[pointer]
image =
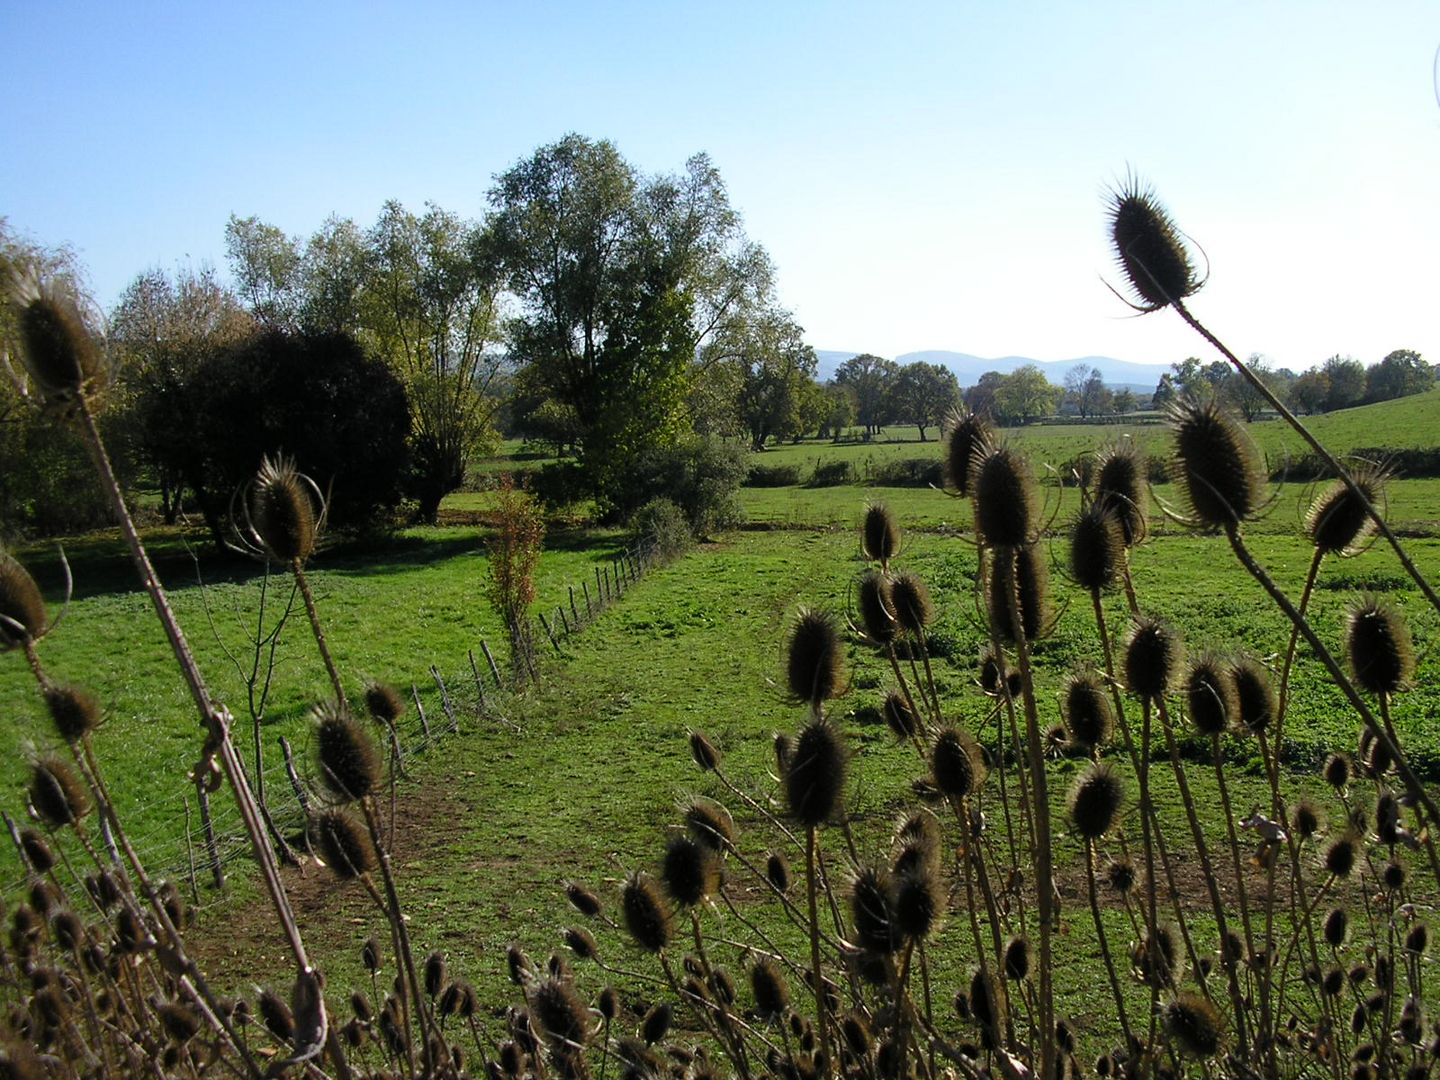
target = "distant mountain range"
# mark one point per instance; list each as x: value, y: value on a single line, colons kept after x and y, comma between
x: 968, y: 369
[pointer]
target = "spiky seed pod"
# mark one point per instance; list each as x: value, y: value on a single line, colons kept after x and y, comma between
x: 1417, y: 938
x: 1387, y: 818
x: 1337, y: 521
x: 449, y: 1000
x: 767, y: 984
x: 56, y: 793
x: 361, y: 1007
x: 955, y: 764
x: 1377, y: 642
x: 384, y: 702
x: 581, y: 942
x: 710, y: 824
x: 1337, y: 925
x: 22, y: 608
x: 877, y: 608
x: 1004, y: 493
x: 1216, y: 465
x: 69, y: 931
x: 1393, y: 876
x: 282, y: 510
x: 1254, y: 695
x: 1152, y: 658
x: 1097, y: 547
x: 434, y: 973
x: 918, y: 901
x: 560, y: 1014
x: 371, y: 956
x: 966, y: 437
x: 1210, y: 696
x: 349, y: 765
x: 1149, y: 247
x: 872, y: 911
x: 902, y: 722
x: 1021, y: 573
x: 344, y: 844
x: 1085, y: 708
x: 180, y: 1024
x: 646, y: 914
x: 690, y: 871
x: 656, y: 1024
x: 880, y: 534
x: 814, y: 659
x: 1194, y: 1025
x: 989, y: 1006
x: 914, y: 609
x: 816, y: 776
x: 1017, y: 959
x: 703, y: 752
x: 777, y: 872
x: 73, y: 711
x: 1095, y: 801
x: 856, y: 1031
x: 991, y: 668
x: 1120, y: 490
x: 918, y: 829
x: 519, y: 966
x: 582, y: 899
x: 1305, y: 819
x: 37, y: 851
x: 276, y: 1015
x: 1336, y: 771
x: 61, y: 352
x: 1120, y: 875
x: 1160, y: 962
x: 1333, y: 982
x: 1341, y: 854
x: 609, y: 1003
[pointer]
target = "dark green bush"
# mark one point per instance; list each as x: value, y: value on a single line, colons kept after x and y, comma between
x: 908, y: 472
x: 771, y: 476
x: 701, y: 475
x: 662, y: 523
x: 832, y: 474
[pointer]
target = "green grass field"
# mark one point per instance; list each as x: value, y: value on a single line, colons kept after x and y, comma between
x: 581, y: 777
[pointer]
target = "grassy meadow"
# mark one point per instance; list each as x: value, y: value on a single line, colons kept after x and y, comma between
x: 581, y: 777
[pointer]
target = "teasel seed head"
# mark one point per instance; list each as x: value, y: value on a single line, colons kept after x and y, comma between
x: 1120, y: 875
x: 918, y: 900
x: 519, y: 966
x: 856, y: 1031
x: 1337, y: 522
x: 814, y: 660
x: 777, y: 872
x: 989, y: 1006
x: 1387, y: 818
x: 434, y: 973
x: 344, y: 844
x: 22, y: 609
x: 281, y: 505
x: 1254, y: 694
x: 276, y: 1015
x: 1195, y: 1025
x: 1017, y: 959
x: 880, y: 534
x: 872, y: 911
x: 877, y: 608
x: 582, y: 899
x: 62, y: 353
x: 37, y: 851
x: 1023, y: 573
x: 966, y: 437
x: 73, y: 711
x: 901, y: 720
x: 1160, y: 962
x: 1149, y: 248
x: 609, y: 1003
x: 561, y: 1015
x: 912, y: 605
x: 1336, y: 926
x: 56, y: 793
x: 1305, y: 819
x: 955, y: 763
x: 1340, y: 855
x: 1337, y: 771
x: 1120, y: 490
x: 647, y: 917
x: 767, y: 984
x: 710, y: 824
x: 690, y: 871
x: 69, y: 931
x: 1003, y: 488
x: 1377, y: 642
x: 991, y: 667
x: 1210, y: 695
x: 1095, y: 801
x: 349, y: 765
x: 656, y: 1024
x: 1097, y: 547
x: 1393, y: 876
x: 815, y: 779
x: 384, y: 702
x: 703, y: 752
x: 1087, y: 712
x: 1417, y: 938
x: 1216, y: 465
x: 1152, y: 658
x: 371, y: 956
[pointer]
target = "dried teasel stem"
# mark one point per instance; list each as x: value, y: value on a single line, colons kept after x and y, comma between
x: 298, y: 569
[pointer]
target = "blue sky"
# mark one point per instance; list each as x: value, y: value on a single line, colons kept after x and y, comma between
x: 927, y: 176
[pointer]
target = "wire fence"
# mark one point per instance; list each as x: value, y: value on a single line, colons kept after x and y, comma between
x: 473, y: 689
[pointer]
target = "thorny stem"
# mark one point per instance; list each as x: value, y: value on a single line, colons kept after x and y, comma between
x: 1333, y: 462
x: 1104, y: 941
x: 300, y: 579
x: 822, y: 1018
x: 1310, y: 577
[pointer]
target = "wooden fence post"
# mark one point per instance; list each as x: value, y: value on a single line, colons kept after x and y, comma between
x: 589, y: 611
x: 445, y: 699
x: 419, y: 711
x: 217, y: 869
x: 479, y: 683
x: 549, y: 633
x: 574, y: 611
x: 494, y: 667
x: 560, y: 610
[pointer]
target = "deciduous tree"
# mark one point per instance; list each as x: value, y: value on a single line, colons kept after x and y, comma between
x: 923, y: 394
